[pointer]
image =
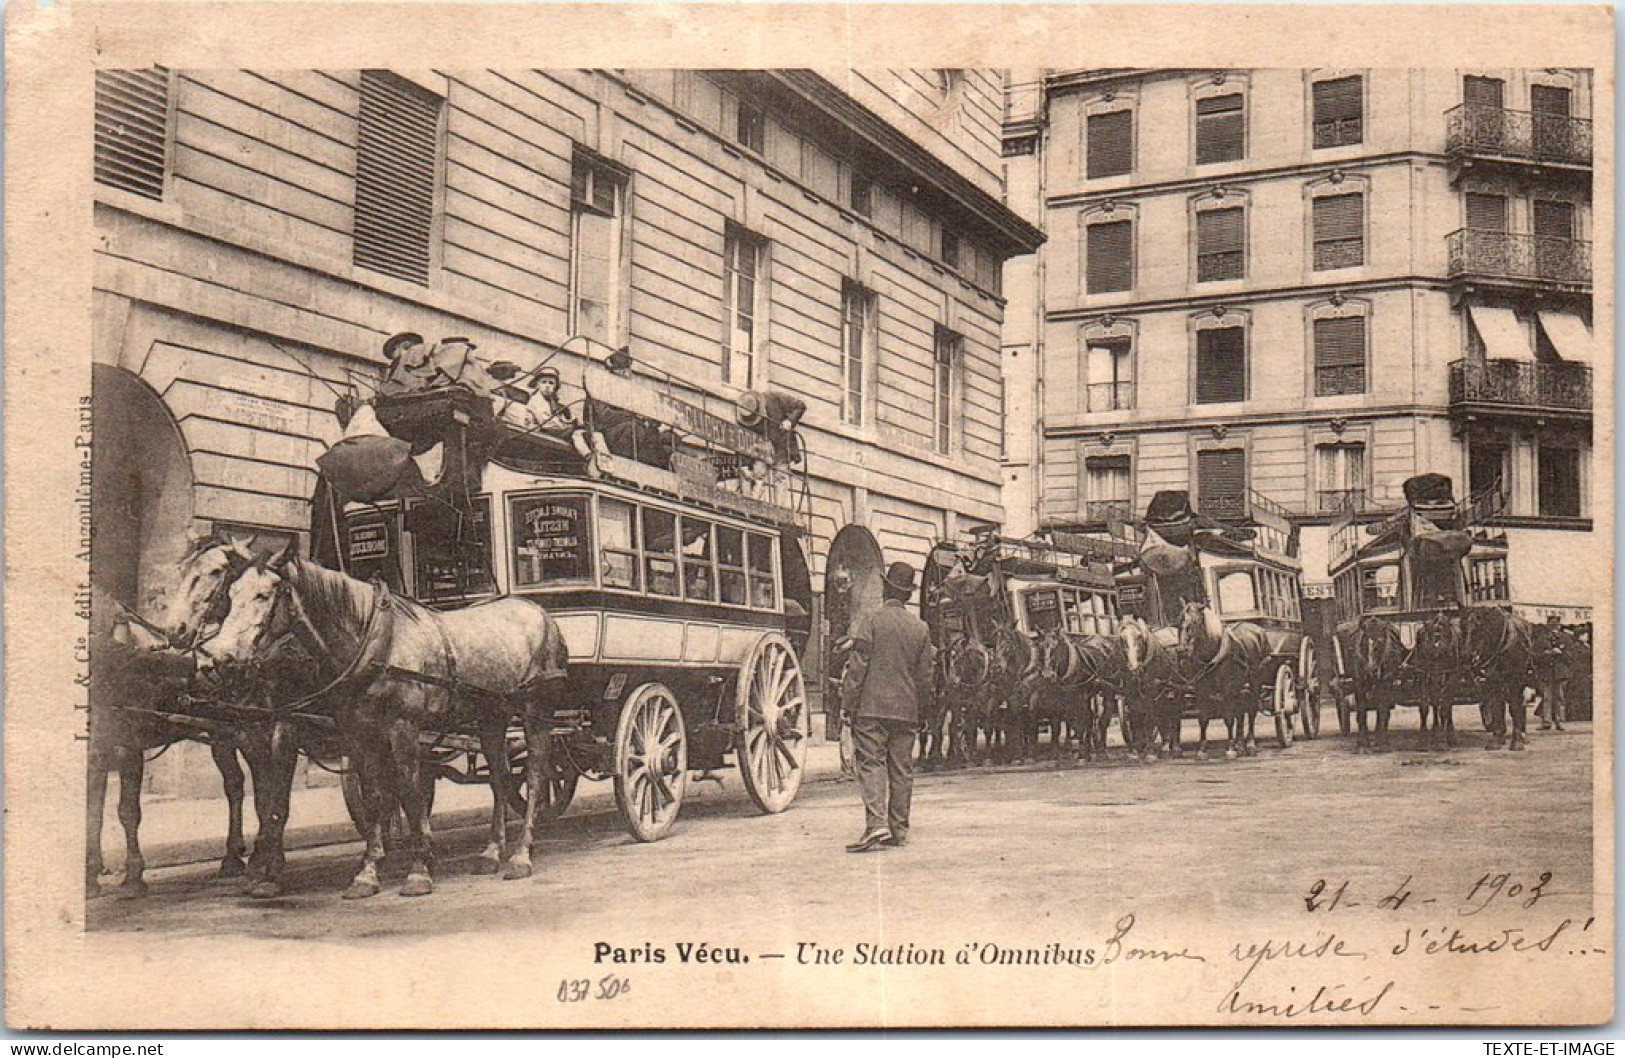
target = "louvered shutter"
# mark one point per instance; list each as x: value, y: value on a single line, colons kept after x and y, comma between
x: 1220, y: 129
x: 1553, y: 220
x: 1338, y: 111
x: 1483, y: 92
x: 1339, y: 231
x: 1545, y: 99
x: 1111, y: 144
x: 1486, y: 212
x: 132, y: 129
x: 396, y: 169
x: 1111, y: 256
x: 1220, y: 244
x: 1339, y: 356
x: 1221, y: 365
x: 1221, y: 483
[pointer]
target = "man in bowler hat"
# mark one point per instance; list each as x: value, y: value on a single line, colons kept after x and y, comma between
x: 885, y: 689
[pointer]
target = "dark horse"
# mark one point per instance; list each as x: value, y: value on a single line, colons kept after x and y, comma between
x: 1373, y: 657
x: 1085, y: 671
x: 1498, y: 650
x: 398, y: 669
x: 1225, y: 670
x: 140, y: 668
x: 1153, y: 694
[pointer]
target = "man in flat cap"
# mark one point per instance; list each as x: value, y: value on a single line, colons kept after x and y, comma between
x: 886, y: 687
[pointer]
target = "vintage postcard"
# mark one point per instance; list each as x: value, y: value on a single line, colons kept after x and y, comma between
x: 661, y: 516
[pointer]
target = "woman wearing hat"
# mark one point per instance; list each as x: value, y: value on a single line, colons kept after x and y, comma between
x: 886, y: 688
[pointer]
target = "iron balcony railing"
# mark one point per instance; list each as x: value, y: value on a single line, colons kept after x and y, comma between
x: 1521, y: 384
x: 1519, y: 134
x: 1111, y: 396
x: 1337, y: 501
x: 1103, y: 512
x: 1506, y: 255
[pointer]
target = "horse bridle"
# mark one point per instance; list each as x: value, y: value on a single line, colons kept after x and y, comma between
x: 218, y: 605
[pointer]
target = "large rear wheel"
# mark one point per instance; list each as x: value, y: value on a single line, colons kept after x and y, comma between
x: 774, y: 727
x: 651, y: 762
x: 1309, y: 688
x: 1284, y: 701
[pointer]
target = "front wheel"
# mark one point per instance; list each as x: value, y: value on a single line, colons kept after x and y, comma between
x: 651, y: 762
x: 774, y: 726
x: 1309, y: 688
x: 1284, y: 701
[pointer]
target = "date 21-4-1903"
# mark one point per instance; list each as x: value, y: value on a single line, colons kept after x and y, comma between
x: 1485, y: 891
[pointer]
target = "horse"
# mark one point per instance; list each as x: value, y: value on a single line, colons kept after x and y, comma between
x: 1092, y: 667
x: 1014, y: 705
x: 138, y: 667
x: 1375, y: 656
x: 1498, y: 650
x: 967, y: 672
x: 1436, y: 659
x: 1226, y: 669
x: 1154, y: 701
x: 400, y: 668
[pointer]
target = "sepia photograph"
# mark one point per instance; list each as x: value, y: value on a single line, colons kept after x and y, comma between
x: 816, y: 543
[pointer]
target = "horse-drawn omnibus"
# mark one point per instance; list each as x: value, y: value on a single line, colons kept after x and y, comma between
x: 671, y: 557
x: 1246, y: 568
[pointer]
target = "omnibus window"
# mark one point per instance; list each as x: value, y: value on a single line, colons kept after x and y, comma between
x: 1043, y: 610
x: 660, y: 551
x: 1379, y: 587
x: 731, y: 566
x: 1072, y: 612
x: 764, y: 591
x: 618, y: 527
x: 699, y: 579
x: 1489, y: 580
x: 1236, y: 593
x: 551, y: 540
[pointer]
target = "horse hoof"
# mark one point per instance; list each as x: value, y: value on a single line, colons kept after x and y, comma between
x: 232, y: 867
x: 515, y: 870
x: 132, y: 890
x: 417, y: 885
x: 1231, y: 754
x: 361, y: 890
x: 94, y: 890
x: 486, y: 865
x: 265, y: 889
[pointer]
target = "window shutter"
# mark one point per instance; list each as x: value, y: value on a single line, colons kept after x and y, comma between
x: 1221, y: 483
x: 1545, y: 99
x: 132, y: 129
x: 1340, y: 356
x: 396, y: 169
x: 1338, y: 104
x: 1339, y: 231
x: 1553, y: 220
x: 1111, y: 144
x: 1111, y: 256
x: 1220, y: 244
x: 1220, y: 129
x: 1483, y: 92
x: 1486, y: 212
x: 1221, y: 365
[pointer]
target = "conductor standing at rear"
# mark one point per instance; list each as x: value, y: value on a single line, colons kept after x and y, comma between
x: 885, y: 688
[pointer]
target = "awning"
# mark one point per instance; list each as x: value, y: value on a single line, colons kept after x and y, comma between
x: 1569, y: 334
x: 1504, y: 337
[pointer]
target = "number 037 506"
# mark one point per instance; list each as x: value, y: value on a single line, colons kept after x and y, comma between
x: 582, y: 989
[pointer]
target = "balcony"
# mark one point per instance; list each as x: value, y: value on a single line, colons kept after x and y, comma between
x: 1529, y: 389
x: 1340, y: 501
x: 1105, y: 512
x: 1483, y: 137
x: 1111, y: 396
x: 1528, y: 263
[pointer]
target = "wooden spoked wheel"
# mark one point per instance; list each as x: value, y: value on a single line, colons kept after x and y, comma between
x: 1309, y: 688
x: 774, y: 726
x: 1284, y: 701
x: 651, y: 762
x: 561, y: 784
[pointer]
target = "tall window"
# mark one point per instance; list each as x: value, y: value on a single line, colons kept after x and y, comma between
x: 1340, y: 477
x: 863, y: 195
x: 1486, y: 92
x: 1558, y: 481
x: 132, y: 130
x: 1110, y: 373
x: 1221, y: 483
x: 950, y: 249
x: 1221, y: 128
x: 1221, y: 244
x: 857, y: 312
x: 1221, y: 365
x: 1486, y: 212
x: 1111, y: 144
x: 949, y: 347
x: 1339, y: 111
x: 1111, y: 256
x: 1553, y: 131
x: 750, y: 128
x: 741, y: 267
x: 1107, y: 488
x: 1339, y: 356
x: 597, y: 202
x: 1487, y: 462
x: 397, y: 170
x: 1339, y: 231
